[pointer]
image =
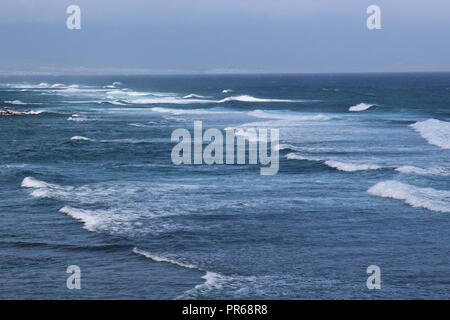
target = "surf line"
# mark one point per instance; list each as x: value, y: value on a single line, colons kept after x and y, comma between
x: 258, y: 140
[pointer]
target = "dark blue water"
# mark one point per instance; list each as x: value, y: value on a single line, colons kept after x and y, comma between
x: 86, y: 179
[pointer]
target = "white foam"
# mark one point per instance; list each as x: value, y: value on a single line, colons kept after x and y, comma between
x: 57, y: 85
x: 227, y: 91
x: 296, y: 156
x: 30, y: 182
x: 77, y: 119
x: 139, y: 125
x: 436, y: 132
x: 213, y: 280
x: 339, y: 165
x: 113, y: 85
x: 288, y: 116
x: 165, y: 260
x: 41, y: 189
x: 91, y: 222
x: 80, y: 138
x: 187, y: 111
x: 15, y: 102
x: 193, y: 95
x: 427, y: 171
x: 351, y: 167
x: 168, y: 100
x: 287, y: 147
x: 361, y: 107
x: 247, y: 98
x: 428, y: 198
x: 35, y: 112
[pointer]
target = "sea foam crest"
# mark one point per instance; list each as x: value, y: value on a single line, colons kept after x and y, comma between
x: 351, y: 167
x: 247, y: 98
x: 288, y: 116
x: 91, y: 222
x: 16, y: 102
x: 436, y: 132
x: 421, y: 171
x: 428, y: 198
x: 361, y: 107
x: 165, y: 260
x: 338, y: 165
x: 80, y: 138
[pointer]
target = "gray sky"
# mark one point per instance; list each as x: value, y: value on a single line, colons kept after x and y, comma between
x: 198, y: 36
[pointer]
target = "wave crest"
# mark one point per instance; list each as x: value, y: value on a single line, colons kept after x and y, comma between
x: 361, y: 107
x: 436, y: 132
x: 428, y: 198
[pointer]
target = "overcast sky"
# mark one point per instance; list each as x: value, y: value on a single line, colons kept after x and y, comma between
x: 210, y: 36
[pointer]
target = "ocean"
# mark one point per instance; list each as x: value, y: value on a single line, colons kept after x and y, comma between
x: 86, y: 179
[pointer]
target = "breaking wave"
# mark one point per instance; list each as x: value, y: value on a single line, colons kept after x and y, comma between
x: 288, y: 116
x: 436, y: 132
x: 351, y: 167
x: 80, y: 138
x: 428, y: 198
x: 16, y: 102
x: 361, y: 107
x: 338, y: 165
x: 433, y: 171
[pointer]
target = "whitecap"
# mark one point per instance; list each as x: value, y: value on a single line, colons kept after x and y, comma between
x: 436, y: 132
x: 80, y: 138
x: 15, y: 102
x: 361, y: 107
x: 428, y: 198
x: 421, y: 171
x: 351, y: 167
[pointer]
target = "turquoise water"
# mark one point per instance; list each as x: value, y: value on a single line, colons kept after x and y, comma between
x: 87, y: 179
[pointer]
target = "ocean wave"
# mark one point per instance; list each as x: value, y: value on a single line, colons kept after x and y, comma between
x: 361, y: 107
x: 36, y: 112
x: 288, y: 116
x: 436, y: 132
x: 351, y: 167
x: 227, y: 91
x: 57, y: 85
x: 80, y: 138
x: 193, y: 95
x: 284, y: 146
x: 30, y: 182
x: 188, y: 111
x: 428, y: 171
x: 113, y: 85
x: 165, y: 260
x: 91, y: 222
x: 428, y: 198
x: 296, y: 156
x: 42, y: 189
x: 168, y: 100
x: 213, y: 280
x: 338, y: 165
x: 15, y: 102
x: 247, y: 98
x: 77, y: 118
x: 128, y: 93
x: 191, y: 100
x: 117, y: 103
x: 139, y: 125
x: 102, y: 220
